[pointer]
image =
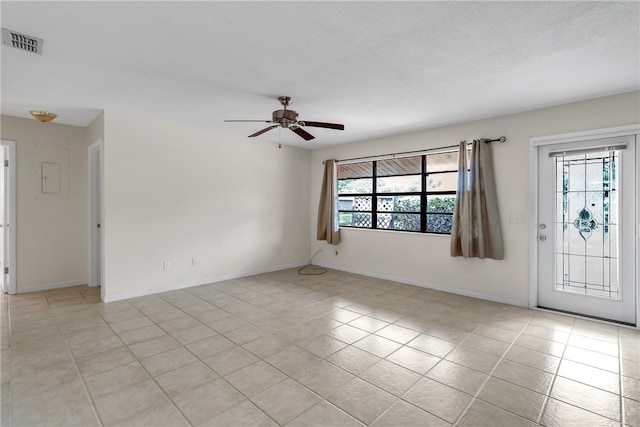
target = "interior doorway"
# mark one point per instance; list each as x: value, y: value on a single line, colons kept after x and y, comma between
x: 95, y: 213
x: 587, y: 235
x: 8, y: 217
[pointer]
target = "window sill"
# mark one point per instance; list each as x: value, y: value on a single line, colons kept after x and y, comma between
x: 402, y: 233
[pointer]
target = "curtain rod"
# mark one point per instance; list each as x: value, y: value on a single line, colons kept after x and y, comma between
x: 501, y: 139
x: 403, y: 153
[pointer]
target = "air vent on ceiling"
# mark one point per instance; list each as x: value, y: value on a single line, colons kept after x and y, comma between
x: 22, y: 41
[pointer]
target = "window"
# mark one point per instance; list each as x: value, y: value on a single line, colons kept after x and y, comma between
x: 416, y: 193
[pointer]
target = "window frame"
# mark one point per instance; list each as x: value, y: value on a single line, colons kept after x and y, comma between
x: 423, y: 195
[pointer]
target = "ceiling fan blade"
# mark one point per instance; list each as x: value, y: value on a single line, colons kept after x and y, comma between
x: 251, y: 121
x: 260, y: 132
x: 303, y: 133
x: 336, y: 126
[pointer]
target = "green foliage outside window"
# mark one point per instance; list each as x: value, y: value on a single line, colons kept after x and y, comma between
x: 392, y: 191
x: 407, y: 221
x: 435, y: 223
x: 438, y: 204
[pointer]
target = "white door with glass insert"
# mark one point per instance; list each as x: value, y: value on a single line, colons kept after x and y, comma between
x: 587, y: 233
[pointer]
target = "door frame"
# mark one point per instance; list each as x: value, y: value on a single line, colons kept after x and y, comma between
x: 96, y: 258
x: 537, y: 142
x: 11, y: 217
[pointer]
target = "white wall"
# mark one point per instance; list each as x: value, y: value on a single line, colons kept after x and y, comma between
x: 424, y: 259
x: 51, y: 232
x: 95, y: 130
x: 173, y: 193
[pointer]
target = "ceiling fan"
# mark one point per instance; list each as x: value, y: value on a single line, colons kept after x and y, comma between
x: 289, y: 119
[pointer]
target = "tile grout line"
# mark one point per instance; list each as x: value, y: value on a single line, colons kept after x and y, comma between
x: 309, y: 302
x: 183, y: 346
x: 82, y: 379
x: 55, y: 313
x: 489, y: 376
x: 75, y: 365
x: 421, y: 332
x: 402, y: 345
x: 294, y: 344
x: 62, y: 336
x: 288, y: 378
x: 555, y: 375
x: 620, y: 382
x: 619, y: 373
x: 10, y: 348
x: 84, y: 385
x: 138, y: 361
x: 197, y: 357
x: 220, y: 376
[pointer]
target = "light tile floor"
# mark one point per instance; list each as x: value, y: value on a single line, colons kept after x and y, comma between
x: 332, y: 349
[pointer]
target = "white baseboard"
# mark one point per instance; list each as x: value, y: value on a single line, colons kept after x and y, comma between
x: 48, y: 286
x: 205, y: 281
x: 456, y: 291
x: 199, y: 282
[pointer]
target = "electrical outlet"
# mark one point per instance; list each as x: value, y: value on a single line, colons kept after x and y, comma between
x: 194, y: 262
x: 166, y: 265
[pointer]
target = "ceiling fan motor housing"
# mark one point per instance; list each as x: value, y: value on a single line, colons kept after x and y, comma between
x: 284, y: 117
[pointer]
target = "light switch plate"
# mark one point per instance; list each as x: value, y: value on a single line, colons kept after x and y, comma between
x: 516, y: 219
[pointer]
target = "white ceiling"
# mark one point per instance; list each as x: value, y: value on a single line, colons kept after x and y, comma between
x: 380, y: 68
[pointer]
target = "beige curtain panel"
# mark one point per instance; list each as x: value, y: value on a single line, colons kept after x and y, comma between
x: 476, y: 225
x: 328, y: 207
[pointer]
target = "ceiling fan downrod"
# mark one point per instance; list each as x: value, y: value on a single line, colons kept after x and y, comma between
x: 285, y: 101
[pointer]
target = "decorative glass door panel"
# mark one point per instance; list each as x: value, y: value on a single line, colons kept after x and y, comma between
x: 587, y: 228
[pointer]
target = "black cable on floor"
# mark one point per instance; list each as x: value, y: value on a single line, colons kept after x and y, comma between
x: 314, y: 270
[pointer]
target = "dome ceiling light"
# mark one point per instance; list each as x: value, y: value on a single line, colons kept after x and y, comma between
x: 43, y: 116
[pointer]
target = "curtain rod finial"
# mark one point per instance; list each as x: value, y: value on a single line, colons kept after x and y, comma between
x: 501, y: 139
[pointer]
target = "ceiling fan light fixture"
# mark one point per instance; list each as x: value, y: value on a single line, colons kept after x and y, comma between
x: 43, y: 116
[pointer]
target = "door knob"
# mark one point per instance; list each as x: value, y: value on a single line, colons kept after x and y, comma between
x: 542, y: 238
